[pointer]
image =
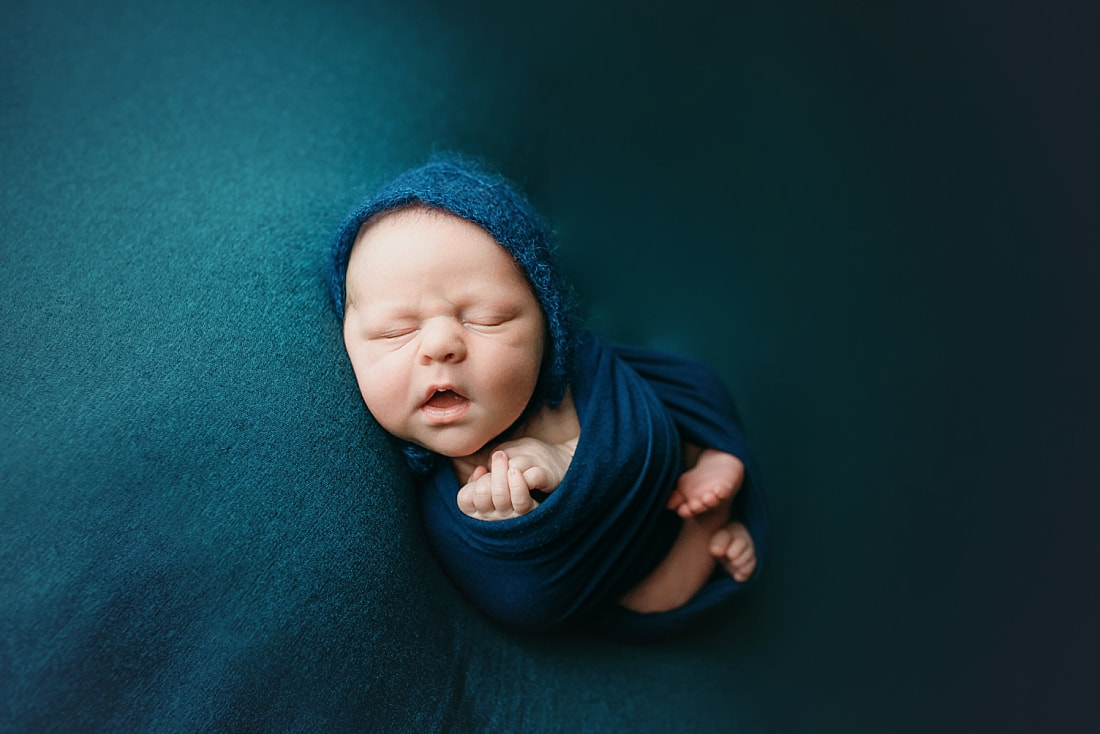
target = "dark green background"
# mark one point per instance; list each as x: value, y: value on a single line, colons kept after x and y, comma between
x: 877, y: 223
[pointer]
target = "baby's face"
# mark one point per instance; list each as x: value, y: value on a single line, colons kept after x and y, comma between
x: 443, y: 331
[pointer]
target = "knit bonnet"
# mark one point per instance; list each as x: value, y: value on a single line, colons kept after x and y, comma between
x: 469, y: 190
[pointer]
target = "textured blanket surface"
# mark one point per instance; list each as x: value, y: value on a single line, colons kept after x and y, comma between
x: 865, y: 217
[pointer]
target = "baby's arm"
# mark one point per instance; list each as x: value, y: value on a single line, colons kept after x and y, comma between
x: 712, y: 477
x: 516, y: 467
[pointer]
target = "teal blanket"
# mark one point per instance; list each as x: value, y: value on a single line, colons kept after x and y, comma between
x: 875, y: 220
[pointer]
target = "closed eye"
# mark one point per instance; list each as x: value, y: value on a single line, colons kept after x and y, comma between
x: 394, y: 334
x: 485, y: 323
x: 486, y: 316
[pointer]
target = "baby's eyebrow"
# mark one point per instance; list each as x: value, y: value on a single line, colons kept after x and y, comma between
x: 385, y: 313
x: 366, y: 299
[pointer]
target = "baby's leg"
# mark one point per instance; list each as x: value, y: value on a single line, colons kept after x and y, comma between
x: 685, y: 569
x: 703, y: 539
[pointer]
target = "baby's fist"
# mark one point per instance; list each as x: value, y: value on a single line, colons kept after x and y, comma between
x: 498, y: 493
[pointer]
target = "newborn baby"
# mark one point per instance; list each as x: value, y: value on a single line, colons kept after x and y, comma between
x: 563, y: 479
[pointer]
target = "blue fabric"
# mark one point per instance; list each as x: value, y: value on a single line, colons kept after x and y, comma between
x: 605, y: 527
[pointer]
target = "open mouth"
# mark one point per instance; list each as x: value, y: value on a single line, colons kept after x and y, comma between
x: 444, y: 400
x: 445, y: 405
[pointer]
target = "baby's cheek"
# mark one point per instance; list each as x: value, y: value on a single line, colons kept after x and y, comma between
x: 383, y: 400
x: 518, y: 382
x: 380, y: 402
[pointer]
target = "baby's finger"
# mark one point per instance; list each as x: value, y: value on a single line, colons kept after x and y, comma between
x: 522, y: 502
x: 477, y: 473
x: 523, y: 462
x: 483, y: 495
x: 465, y: 500
x: 536, y: 478
x: 501, y: 494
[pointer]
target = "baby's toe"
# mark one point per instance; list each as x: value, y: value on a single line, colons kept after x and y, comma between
x: 737, y: 548
x: 733, y: 547
x: 720, y: 543
x: 744, y: 567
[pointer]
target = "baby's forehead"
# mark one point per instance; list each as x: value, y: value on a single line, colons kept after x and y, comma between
x: 407, y: 223
x: 416, y: 240
x: 409, y: 215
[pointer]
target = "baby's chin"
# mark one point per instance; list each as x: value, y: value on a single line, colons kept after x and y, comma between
x: 453, y: 447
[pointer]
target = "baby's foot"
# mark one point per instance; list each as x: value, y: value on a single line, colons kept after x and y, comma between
x: 734, y: 549
x: 713, y: 480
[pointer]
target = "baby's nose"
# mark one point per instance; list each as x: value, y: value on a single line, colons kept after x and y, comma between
x: 441, y: 340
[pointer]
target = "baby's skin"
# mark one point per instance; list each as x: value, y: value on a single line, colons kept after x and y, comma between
x: 709, y: 485
x: 499, y: 483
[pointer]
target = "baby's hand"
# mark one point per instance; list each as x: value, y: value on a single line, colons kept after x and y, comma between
x: 713, y: 480
x: 517, y: 467
x: 543, y: 464
x: 496, y: 494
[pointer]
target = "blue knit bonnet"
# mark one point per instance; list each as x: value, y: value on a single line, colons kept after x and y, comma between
x: 467, y: 189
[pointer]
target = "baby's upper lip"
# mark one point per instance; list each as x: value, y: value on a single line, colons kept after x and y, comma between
x: 440, y: 387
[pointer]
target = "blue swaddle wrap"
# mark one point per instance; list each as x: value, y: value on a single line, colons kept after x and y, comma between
x: 605, y: 527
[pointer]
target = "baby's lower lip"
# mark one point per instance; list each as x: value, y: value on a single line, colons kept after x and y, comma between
x: 445, y: 409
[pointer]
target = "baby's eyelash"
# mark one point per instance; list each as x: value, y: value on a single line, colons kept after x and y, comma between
x: 484, y: 326
x: 395, y: 333
x: 486, y: 318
